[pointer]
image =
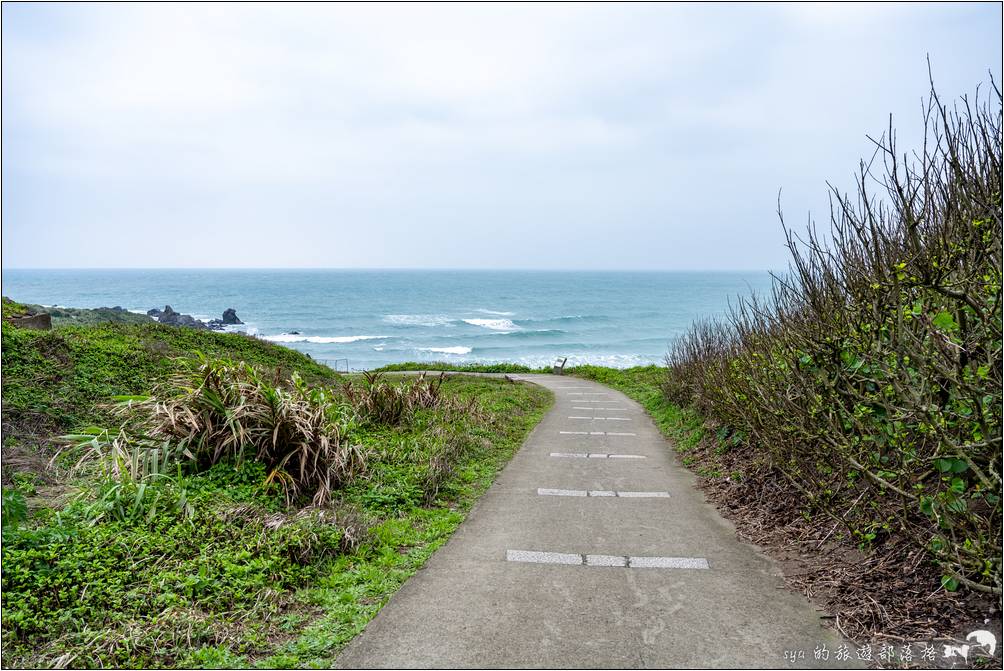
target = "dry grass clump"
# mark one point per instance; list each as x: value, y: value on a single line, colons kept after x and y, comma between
x: 870, y: 381
x: 228, y: 411
x: 377, y: 401
x: 307, y: 524
x: 442, y: 463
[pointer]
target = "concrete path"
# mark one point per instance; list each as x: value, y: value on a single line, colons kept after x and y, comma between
x: 611, y: 560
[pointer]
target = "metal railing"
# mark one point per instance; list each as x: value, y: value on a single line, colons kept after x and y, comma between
x: 337, y: 365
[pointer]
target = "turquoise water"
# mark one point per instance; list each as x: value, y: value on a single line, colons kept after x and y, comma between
x: 376, y: 317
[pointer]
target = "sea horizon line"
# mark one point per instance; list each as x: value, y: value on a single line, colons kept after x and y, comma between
x: 392, y: 269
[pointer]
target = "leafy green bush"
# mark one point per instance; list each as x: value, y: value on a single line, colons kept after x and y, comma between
x: 871, y: 380
x: 13, y: 509
x: 377, y: 401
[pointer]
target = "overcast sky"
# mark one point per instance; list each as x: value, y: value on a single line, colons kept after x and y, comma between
x: 594, y: 136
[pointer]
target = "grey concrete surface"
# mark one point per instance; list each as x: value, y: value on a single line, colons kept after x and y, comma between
x: 471, y: 608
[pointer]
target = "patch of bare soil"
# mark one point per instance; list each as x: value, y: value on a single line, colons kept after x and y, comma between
x: 16, y: 459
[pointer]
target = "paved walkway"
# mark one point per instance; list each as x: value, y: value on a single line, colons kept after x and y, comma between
x: 610, y: 560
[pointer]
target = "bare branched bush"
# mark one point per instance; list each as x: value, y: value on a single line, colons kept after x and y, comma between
x: 871, y: 378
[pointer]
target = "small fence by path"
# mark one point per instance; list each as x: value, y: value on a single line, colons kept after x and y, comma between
x: 337, y: 365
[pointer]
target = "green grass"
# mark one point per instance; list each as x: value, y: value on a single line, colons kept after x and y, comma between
x: 245, y: 581
x: 500, y: 367
x: 11, y: 308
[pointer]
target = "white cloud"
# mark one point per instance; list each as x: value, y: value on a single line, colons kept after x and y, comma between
x: 514, y: 118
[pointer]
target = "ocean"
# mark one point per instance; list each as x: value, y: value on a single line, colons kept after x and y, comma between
x: 369, y: 318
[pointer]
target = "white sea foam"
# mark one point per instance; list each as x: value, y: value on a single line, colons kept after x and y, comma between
x: 584, y: 358
x: 496, y: 312
x: 446, y: 350
x: 320, y: 340
x: 418, y: 320
x: 493, y: 324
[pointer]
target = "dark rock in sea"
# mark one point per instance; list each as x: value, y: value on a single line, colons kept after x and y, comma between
x: 294, y: 333
x: 190, y: 321
x: 171, y: 318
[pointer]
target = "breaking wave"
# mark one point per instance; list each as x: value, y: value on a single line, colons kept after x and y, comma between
x: 447, y: 350
x: 320, y: 340
x: 418, y: 320
x: 493, y: 324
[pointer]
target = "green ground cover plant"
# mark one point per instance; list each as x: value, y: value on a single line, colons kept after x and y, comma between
x: 232, y: 511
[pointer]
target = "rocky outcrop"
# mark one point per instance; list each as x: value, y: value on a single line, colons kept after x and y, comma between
x: 41, y: 321
x: 171, y: 318
x: 26, y: 316
x: 229, y: 318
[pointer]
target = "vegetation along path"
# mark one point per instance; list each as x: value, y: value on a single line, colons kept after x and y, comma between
x: 594, y: 549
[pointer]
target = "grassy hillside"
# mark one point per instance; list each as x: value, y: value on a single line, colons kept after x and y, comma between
x: 208, y: 561
x: 90, y: 316
x: 57, y: 381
